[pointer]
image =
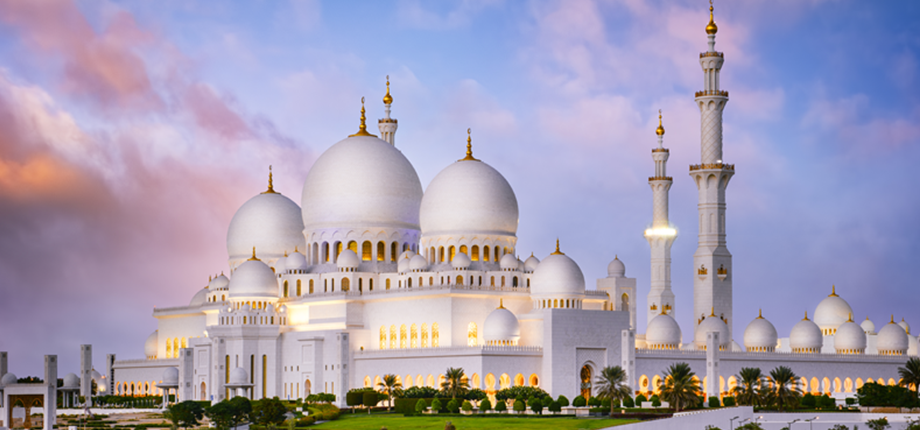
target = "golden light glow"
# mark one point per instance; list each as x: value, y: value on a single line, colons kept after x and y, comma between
x: 661, y: 231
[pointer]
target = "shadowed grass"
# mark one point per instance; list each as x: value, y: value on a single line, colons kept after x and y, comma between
x: 400, y: 422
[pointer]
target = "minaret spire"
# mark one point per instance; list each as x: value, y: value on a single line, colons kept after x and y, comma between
x: 362, y: 128
x: 711, y: 176
x: 469, y: 147
x: 388, y: 125
x: 271, y: 189
x: 661, y: 234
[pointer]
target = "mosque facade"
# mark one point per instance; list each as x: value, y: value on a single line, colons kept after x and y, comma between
x: 370, y: 275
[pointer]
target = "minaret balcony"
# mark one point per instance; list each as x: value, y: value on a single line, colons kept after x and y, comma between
x: 722, y: 93
x: 712, y: 166
x: 660, y: 178
x: 661, y: 150
x: 712, y: 54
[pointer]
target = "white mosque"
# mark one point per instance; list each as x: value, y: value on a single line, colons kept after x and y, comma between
x: 371, y: 275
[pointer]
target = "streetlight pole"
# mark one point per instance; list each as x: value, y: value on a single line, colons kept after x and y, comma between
x: 789, y: 426
x: 731, y: 423
x: 810, y: 421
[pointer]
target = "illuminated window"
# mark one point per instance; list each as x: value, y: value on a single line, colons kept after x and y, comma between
x: 459, y: 280
x: 402, y: 336
x: 424, y: 335
x: 388, y: 283
x: 504, y: 381
x: 441, y: 254
x: 383, y: 337
x: 413, y: 336
x: 472, y: 335
x: 346, y: 284
x: 326, y: 251
x: 367, y: 251
x: 184, y: 342
x: 451, y: 252
x: 381, y: 251
x: 338, y: 249
x: 353, y: 246
x: 394, y: 251
x: 475, y: 254
x: 299, y: 292
x: 311, y: 286
x: 393, y: 339
x: 464, y: 250
x: 435, y: 336
x: 285, y: 288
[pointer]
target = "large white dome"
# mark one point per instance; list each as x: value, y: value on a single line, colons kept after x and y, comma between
x: 831, y: 312
x: 892, y: 340
x: 361, y: 182
x: 557, y: 275
x: 150, y: 345
x: 663, y: 333
x: 710, y: 324
x: 270, y: 222
x: 253, y: 278
x: 806, y: 336
x: 760, y: 335
x: 850, y: 339
x: 501, y: 328
x: 469, y: 197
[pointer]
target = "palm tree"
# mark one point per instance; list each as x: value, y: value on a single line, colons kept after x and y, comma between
x: 910, y: 374
x: 680, y: 389
x: 610, y: 385
x: 454, y: 383
x: 785, y: 391
x: 388, y: 385
x: 748, y: 391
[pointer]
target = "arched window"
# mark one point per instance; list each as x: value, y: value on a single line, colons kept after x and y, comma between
x: 370, y: 284
x: 402, y: 336
x: 367, y: 251
x: 472, y: 335
x: 514, y: 282
x: 586, y: 381
x: 311, y: 286
x: 285, y: 288
x: 503, y: 281
x: 504, y: 381
x: 498, y: 254
x: 475, y: 255
x: 413, y: 338
x: 424, y: 335
x: 381, y: 251
x: 383, y: 337
x: 624, y: 302
x: 169, y: 348
x: 431, y: 280
x: 338, y: 250
x: 388, y: 283
x: 492, y: 282
x: 430, y: 381
x: 394, y: 252
x: 534, y: 380
x: 519, y: 380
x: 441, y: 254
x: 326, y: 251
x: 435, y: 336
x: 420, y: 283
x: 459, y: 280
x: 490, y: 383
x: 367, y: 382
x: 346, y: 284
x: 299, y: 292
x: 528, y: 282
x: 184, y: 342
x: 409, y: 282
x: 393, y: 339
x: 464, y: 250
x: 325, y: 285
x: 353, y: 246
x: 360, y: 284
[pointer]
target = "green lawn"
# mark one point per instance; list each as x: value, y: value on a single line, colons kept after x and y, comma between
x: 400, y: 422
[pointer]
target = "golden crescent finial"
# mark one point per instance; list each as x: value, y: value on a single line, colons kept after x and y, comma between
x: 469, y: 146
x: 660, y: 130
x: 254, y: 255
x: 501, y: 304
x: 362, y: 129
x: 711, y: 28
x: 388, y: 99
x: 760, y: 314
x: 271, y: 189
x: 833, y: 291
x: 806, y: 316
x: 557, y: 252
x: 713, y: 312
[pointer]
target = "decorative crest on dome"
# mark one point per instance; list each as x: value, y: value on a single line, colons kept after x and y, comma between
x: 271, y: 189
x: 660, y: 130
x: 760, y: 314
x: 285, y: 253
x: 254, y: 258
x: 711, y: 28
x: 892, y: 319
x: 501, y: 304
x: 557, y: 252
x: 388, y: 99
x: 712, y: 313
x: 850, y: 318
x: 806, y: 316
x: 469, y: 147
x: 362, y: 129
x: 833, y: 291
x: 295, y: 249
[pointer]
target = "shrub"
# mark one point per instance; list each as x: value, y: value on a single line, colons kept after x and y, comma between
x: 419, y: 393
x: 536, y: 406
x: 850, y: 401
x: 749, y: 426
x: 656, y: 402
x: 594, y: 401
x: 579, y: 402
x: 878, y: 424
x: 554, y: 406
x: 466, y: 406
x: 475, y: 394
x: 563, y: 401
x: 420, y: 406
x: 354, y: 398
x: 843, y: 427
x: 371, y: 398
x: 640, y: 399
x: 525, y: 392
x: 530, y: 400
x: 436, y: 404
x: 453, y: 406
x: 407, y: 406
x: 628, y: 402
x: 808, y: 401
x: 825, y: 402
x: 519, y: 405
x: 714, y: 402
x: 500, y: 406
x: 728, y: 401
x: 305, y: 421
x: 485, y: 405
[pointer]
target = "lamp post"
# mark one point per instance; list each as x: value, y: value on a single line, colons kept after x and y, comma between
x: 789, y: 426
x: 809, y: 422
x: 731, y: 423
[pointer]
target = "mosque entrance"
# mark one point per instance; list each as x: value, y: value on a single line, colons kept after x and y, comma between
x: 27, y: 401
x: 586, y: 382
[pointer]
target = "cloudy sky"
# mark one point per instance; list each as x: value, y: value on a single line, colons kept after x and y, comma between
x: 131, y: 131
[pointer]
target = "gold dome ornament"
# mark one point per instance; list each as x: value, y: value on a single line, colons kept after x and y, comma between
x: 362, y: 129
x: 557, y: 252
x: 711, y: 28
x: 469, y: 147
x: 660, y: 130
x: 254, y: 258
x: 271, y: 189
x: 388, y: 99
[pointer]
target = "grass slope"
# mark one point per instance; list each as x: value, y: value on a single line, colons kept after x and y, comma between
x: 399, y: 422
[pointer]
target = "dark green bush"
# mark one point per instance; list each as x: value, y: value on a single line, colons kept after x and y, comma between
x: 628, y: 402
x: 554, y: 406
x: 639, y: 399
x: 563, y: 401
x: 594, y: 401
x: 714, y: 402
x: 485, y: 405
x: 579, y: 402
x: 728, y: 401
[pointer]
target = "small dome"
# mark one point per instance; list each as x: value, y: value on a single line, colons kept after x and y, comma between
x: 892, y: 340
x: 71, y: 381
x: 295, y: 261
x: 531, y: 263
x: 348, y: 259
x: 501, y: 327
x: 253, y: 278
x: 663, y: 333
x: 868, y: 326
x: 238, y: 376
x: 150, y: 346
x: 760, y: 335
x: 170, y: 376
x: 712, y: 323
x: 200, y: 298
x: 418, y: 263
x: 904, y: 325
x: 831, y: 312
x: 219, y: 283
x: 508, y: 262
x: 403, y: 265
x: 8, y: 379
x: 616, y: 268
x: 806, y: 336
x: 406, y: 255
x: 850, y: 339
x: 269, y: 221
x: 557, y: 275
x: 460, y: 261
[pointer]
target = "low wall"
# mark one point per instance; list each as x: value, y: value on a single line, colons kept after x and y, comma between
x: 696, y: 419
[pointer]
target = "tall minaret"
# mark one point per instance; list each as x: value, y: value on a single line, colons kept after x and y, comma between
x: 661, y: 235
x: 712, y: 272
x: 388, y: 125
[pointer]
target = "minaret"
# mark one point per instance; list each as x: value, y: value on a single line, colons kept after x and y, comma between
x: 661, y: 235
x: 388, y: 125
x: 712, y: 272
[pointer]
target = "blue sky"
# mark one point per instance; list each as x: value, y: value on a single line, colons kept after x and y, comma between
x: 133, y: 130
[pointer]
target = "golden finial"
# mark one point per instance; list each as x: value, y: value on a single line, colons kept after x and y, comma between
x: 806, y: 316
x: 616, y: 257
x: 253, y: 255
x: 362, y: 129
x: 713, y: 312
x: 660, y: 130
x: 833, y: 291
x: 295, y: 249
x: 501, y: 304
x: 210, y: 278
x: 388, y: 99
x: 760, y: 314
x: 711, y: 28
x: 271, y: 189
x: 892, y: 319
x: 469, y: 147
x: 285, y: 253
x: 558, y: 252
x: 850, y: 318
